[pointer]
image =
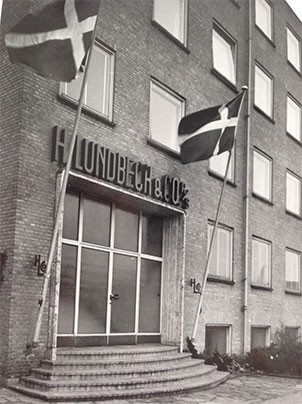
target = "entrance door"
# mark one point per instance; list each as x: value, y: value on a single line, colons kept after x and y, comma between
x: 110, y: 287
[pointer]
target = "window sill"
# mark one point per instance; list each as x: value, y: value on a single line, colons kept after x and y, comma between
x: 299, y: 142
x: 295, y: 215
x: 226, y: 81
x: 221, y: 178
x: 269, y: 40
x: 262, y: 199
x: 73, y: 104
x: 260, y: 287
x: 293, y: 292
x: 177, y: 42
x: 294, y: 68
x: 264, y: 114
x: 212, y: 278
x: 159, y: 146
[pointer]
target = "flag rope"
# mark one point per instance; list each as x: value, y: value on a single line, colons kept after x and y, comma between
x: 60, y: 204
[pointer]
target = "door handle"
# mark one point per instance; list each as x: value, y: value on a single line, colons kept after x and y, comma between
x: 114, y: 296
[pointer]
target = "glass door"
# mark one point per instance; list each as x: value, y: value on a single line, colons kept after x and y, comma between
x: 110, y: 286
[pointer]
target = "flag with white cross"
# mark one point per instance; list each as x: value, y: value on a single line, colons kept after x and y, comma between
x: 55, y: 40
x: 209, y: 132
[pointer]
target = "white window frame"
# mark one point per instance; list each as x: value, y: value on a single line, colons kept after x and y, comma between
x: 297, y: 328
x: 268, y: 245
x: 296, y: 107
x: 297, y: 254
x: 267, y: 330
x: 225, y: 46
x: 109, y: 84
x: 228, y: 331
x: 296, y: 210
x: 181, y: 35
x: 217, y: 165
x: 293, y: 49
x: 266, y: 175
x: 259, y: 96
x: 264, y: 17
x: 230, y: 233
x: 171, y: 142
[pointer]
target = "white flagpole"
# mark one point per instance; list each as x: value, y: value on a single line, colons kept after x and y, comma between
x: 59, y: 209
x: 204, y: 281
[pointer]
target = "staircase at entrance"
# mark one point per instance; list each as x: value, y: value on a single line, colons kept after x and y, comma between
x: 117, y: 372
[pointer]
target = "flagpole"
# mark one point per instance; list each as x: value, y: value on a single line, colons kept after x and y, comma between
x: 204, y: 281
x: 202, y: 289
x: 59, y: 209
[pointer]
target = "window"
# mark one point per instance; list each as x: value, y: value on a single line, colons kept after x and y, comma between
x: 293, y: 122
x: 221, y: 257
x: 166, y: 110
x: 98, y: 96
x: 292, y: 334
x: 217, y: 339
x: 218, y: 164
x: 292, y: 270
x: 261, y: 262
x: 259, y: 337
x: 293, y: 49
x: 262, y: 175
x: 263, y: 91
x: 172, y: 15
x: 293, y: 194
x: 264, y: 17
x: 224, y: 55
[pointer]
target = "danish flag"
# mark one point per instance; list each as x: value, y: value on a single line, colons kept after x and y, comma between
x: 54, y: 42
x: 209, y: 132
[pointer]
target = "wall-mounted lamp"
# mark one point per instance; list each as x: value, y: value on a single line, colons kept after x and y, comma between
x: 196, y: 286
x: 41, y: 265
x: 3, y: 259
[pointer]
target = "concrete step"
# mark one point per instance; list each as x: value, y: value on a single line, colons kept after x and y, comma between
x: 133, y: 371
x: 118, y: 351
x: 206, y: 381
x: 124, y: 383
x: 113, y: 363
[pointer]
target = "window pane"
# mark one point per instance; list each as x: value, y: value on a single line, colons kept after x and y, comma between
x: 216, y: 340
x: 124, y: 285
x: 263, y: 91
x: 165, y: 115
x: 264, y: 17
x: 218, y: 164
x: 293, y: 49
x: 293, y: 194
x: 67, y: 290
x: 223, y: 56
x: 293, y: 118
x: 262, y: 175
x: 126, y: 230
x: 221, y: 257
x: 171, y: 15
x: 96, y: 222
x: 258, y: 337
x: 261, y: 263
x: 150, y: 281
x: 93, y: 292
x: 99, y: 87
x: 292, y: 334
x: 292, y: 273
x: 98, y: 84
x: 71, y: 216
x: 152, y: 235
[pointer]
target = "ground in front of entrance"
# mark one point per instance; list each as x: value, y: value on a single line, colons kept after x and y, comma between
x: 237, y: 390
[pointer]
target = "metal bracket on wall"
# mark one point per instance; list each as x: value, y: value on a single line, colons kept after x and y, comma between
x: 41, y: 265
x: 196, y: 286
